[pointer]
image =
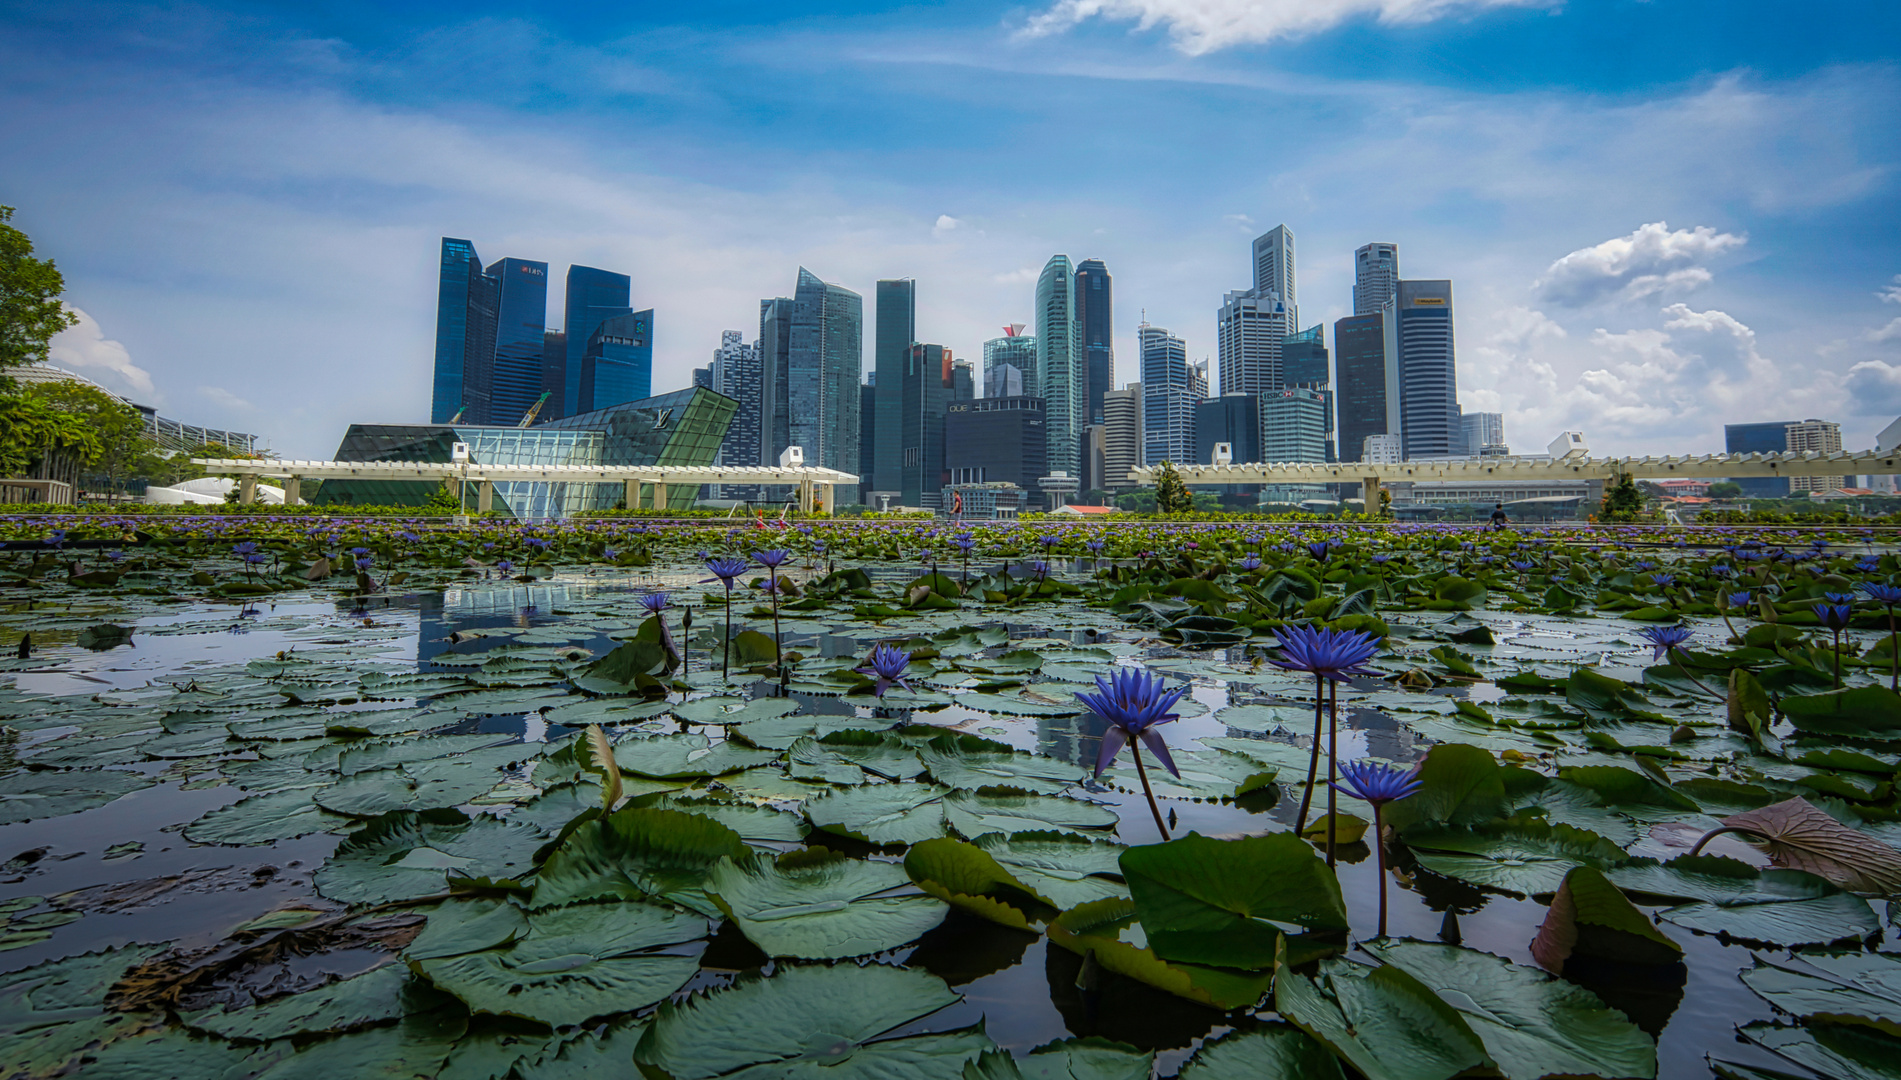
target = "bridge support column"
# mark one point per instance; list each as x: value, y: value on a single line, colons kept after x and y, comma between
x: 826, y: 493
x: 805, y: 496
x: 247, y: 490
x: 293, y: 490
x: 630, y: 494
x: 659, y: 494
x: 485, y: 497
x: 1370, y: 495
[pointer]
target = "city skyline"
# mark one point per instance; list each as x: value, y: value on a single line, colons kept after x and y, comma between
x: 1659, y: 216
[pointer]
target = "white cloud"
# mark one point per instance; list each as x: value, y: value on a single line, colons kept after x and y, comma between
x: 945, y: 224
x: 85, y: 347
x: 226, y: 398
x: 1891, y: 293
x: 1204, y: 26
x: 1242, y: 223
x: 1874, y: 388
x: 1022, y: 275
x: 1652, y: 260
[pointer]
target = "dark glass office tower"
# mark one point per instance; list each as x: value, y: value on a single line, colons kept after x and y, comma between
x: 592, y: 296
x: 775, y: 357
x: 465, y: 335
x: 1304, y: 358
x: 930, y: 386
x: 554, y: 367
x: 1360, y: 368
x: 1763, y: 438
x: 1428, y: 380
x: 1234, y: 419
x: 867, y: 435
x: 824, y: 362
x: 896, y: 333
x: 1095, y: 316
x: 520, y: 325
x: 996, y: 440
x: 618, y: 363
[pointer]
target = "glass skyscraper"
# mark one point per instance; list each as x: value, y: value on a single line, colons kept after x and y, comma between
x: 465, y: 335
x: 1274, y: 269
x: 592, y: 296
x: 896, y: 333
x: 1375, y: 277
x: 1762, y: 438
x: 521, y: 319
x: 1366, y: 397
x: 1095, y: 318
x: 1428, y: 381
x: 824, y: 359
x: 1017, y: 350
x: 617, y: 365
x: 775, y: 357
x: 1171, y: 389
x: 1060, y: 374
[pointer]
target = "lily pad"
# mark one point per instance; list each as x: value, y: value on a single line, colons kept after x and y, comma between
x: 574, y: 963
x: 1842, y: 988
x: 687, y: 754
x: 820, y: 905
x: 811, y: 1023
x: 264, y: 819
x: 635, y: 853
x: 28, y: 794
x: 383, y: 993
x: 1109, y: 930
x: 1531, y: 1024
x: 882, y: 813
x: 1068, y: 868
x: 969, y: 762
x: 407, y: 855
x: 1227, y: 902
x: 1590, y: 917
x: 1387, y: 1023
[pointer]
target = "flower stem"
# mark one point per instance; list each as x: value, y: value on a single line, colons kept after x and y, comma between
x: 1379, y: 846
x: 726, y: 659
x: 1894, y: 653
x: 1333, y: 759
x: 1142, y: 775
x: 1313, y: 762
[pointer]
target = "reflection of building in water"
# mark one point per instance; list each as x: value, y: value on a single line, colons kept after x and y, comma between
x: 1075, y: 739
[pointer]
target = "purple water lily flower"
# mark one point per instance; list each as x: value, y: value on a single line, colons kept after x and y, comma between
x: 1134, y: 701
x: 1378, y: 783
x: 771, y: 560
x: 1834, y: 616
x: 1329, y: 654
x: 886, y: 664
x: 1664, y: 638
x: 1250, y: 563
x: 1882, y: 594
x: 725, y: 569
x: 655, y: 602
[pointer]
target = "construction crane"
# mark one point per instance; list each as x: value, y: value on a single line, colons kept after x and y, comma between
x: 458, y: 414
x: 534, y: 410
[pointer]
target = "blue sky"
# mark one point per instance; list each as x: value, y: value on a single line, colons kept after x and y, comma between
x: 1658, y: 216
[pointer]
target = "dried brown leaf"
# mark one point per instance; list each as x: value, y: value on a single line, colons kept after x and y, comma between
x: 1799, y: 836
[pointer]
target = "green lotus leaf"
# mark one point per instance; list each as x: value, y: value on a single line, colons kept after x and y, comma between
x: 810, y: 1023
x: 1088, y: 1058
x: 1532, y: 1025
x: 1228, y: 902
x: 635, y: 853
x: 464, y: 926
x: 1860, y: 712
x: 1823, y: 920
x: 575, y: 962
x: 686, y: 754
x: 820, y: 905
x: 1839, y: 1052
x: 435, y: 784
x: 1278, y: 1052
x: 1108, y: 929
x: 968, y: 877
x: 383, y: 993
x: 882, y: 813
x: 264, y: 819
x: 407, y: 855
x: 1068, y: 868
x: 1459, y: 785
x: 753, y: 823
x: 975, y: 813
x: 1590, y: 917
x: 29, y: 794
x: 733, y: 710
x: 1521, y: 856
x: 1841, y: 988
x: 1387, y: 1023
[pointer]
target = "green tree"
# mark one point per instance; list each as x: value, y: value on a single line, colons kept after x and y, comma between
x: 1623, y: 502
x: 1171, y: 495
x: 118, y: 427
x: 30, y: 311
x: 1726, y: 489
x: 1139, y: 501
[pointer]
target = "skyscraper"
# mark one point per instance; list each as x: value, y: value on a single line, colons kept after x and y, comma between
x: 1059, y: 364
x: 1003, y: 380
x: 736, y: 374
x: 775, y: 357
x: 1366, y: 377
x: 1251, y: 334
x: 592, y: 297
x: 1171, y: 387
x: 824, y: 359
x: 1122, y: 435
x: 1015, y: 349
x: 466, y: 302
x: 1274, y: 269
x: 1816, y: 436
x: 1428, y: 381
x: 521, y: 322
x: 867, y: 435
x: 896, y: 332
x: 1294, y: 425
x: 1771, y: 437
x: 1095, y: 318
x: 1234, y: 419
x: 1304, y: 358
x: 617, y: 365
x: 930, y: 386
x: 1375, y: 277
x: 1479, y: 430
x: 554, y: 367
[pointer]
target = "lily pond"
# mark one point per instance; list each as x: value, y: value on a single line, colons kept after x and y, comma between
x: 315, y: 797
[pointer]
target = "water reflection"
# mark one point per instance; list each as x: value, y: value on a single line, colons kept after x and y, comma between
x: 1123, y: 1009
